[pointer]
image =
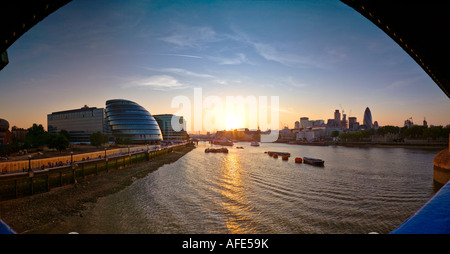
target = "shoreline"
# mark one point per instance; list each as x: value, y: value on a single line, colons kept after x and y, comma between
x: 393, y: 145
x: 41, y: 213
x: 376, y: 145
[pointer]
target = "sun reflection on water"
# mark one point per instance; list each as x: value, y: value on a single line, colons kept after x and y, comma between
x: 235, y: 202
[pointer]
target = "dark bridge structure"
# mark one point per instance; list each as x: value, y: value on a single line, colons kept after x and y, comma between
x: 421, y: 30
x: 19, y: 16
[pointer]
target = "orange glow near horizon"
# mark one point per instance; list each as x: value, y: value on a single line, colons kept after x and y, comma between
x: 232, y: 122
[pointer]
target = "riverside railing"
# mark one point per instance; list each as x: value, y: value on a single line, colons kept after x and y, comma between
x: 19, y: 184
x: 25, y: 165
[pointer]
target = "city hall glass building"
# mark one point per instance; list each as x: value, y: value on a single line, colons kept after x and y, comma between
x: 129, y: 121
x: 80, y: 123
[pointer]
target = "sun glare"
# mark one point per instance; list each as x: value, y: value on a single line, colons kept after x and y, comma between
x: 232, y: 122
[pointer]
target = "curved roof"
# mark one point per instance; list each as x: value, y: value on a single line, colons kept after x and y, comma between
x: 128, y: 119
x: 4, y: 125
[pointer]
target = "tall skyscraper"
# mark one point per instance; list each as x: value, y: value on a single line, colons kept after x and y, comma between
x: 344, y: 121
x: 351, y: 122
x: 337, y: 116
x: 368, y: 119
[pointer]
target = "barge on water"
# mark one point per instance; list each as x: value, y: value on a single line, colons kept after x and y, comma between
x: 271, y: 153
x: 313, y: 161
x: 216, y: 150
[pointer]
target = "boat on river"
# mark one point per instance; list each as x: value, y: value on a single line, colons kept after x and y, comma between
x: 222, y: 142
x: 271, y: 153
x: 216, y: 150
x: 254, y: 144
x: 313, y: 161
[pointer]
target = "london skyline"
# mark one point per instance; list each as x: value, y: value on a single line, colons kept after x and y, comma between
x: 316, y: 56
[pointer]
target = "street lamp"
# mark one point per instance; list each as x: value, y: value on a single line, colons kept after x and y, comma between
x: 71, y: 157
x: 105, y: 153
x: 29, y: 163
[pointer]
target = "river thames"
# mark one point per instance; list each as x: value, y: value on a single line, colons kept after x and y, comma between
x: 359, y: 190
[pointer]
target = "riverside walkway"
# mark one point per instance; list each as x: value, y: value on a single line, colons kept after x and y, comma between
x: 36, y: 164
x: 39, y: 179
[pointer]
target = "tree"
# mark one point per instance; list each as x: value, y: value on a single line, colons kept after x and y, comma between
x: 388, y: 129
x: 123, y: 141
x: 36, y: 136
x: 335, y: 134
x: 415, y: 131
x: 58, y: 141
x: 98, y: 138
x: 65, y: 134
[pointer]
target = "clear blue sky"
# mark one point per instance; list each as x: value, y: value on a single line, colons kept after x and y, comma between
x: 314, y: 55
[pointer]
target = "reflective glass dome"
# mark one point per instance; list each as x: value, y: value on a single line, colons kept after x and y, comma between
x: 129, y: 120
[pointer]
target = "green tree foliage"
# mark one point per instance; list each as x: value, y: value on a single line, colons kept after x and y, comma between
x: 65, y: 134
x: 334, y: 134
x: 388, y: 129
x: 8, y: 149
x: 356, y: 136
x: 58, y: 141
x: 98, y: 138
x: 436, y: 132
x: 36, y: 136
x: 415, y: 131
x: 123, y: 141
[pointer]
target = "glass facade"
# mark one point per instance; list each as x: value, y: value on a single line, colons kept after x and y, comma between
x: 80, y: 123
x: 368, y: 119
x: 129, y: 120
x: 168, y: 132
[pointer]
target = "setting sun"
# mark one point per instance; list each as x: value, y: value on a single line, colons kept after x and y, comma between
x: 232, y: 122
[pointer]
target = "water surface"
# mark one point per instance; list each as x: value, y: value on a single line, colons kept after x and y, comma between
x: 359, y: 190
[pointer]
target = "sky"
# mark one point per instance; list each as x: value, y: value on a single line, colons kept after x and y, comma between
x: 316, y: 56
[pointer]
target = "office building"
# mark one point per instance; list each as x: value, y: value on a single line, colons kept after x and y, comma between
x: 344, y: 121
x: 304, y: 122
x: 351, y: 123
x: 337, y: 116
x: 168, y: 131
x: 368, y: 119
x: 80, y: 123
x: 332, y: 123
x: 19, y: 134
